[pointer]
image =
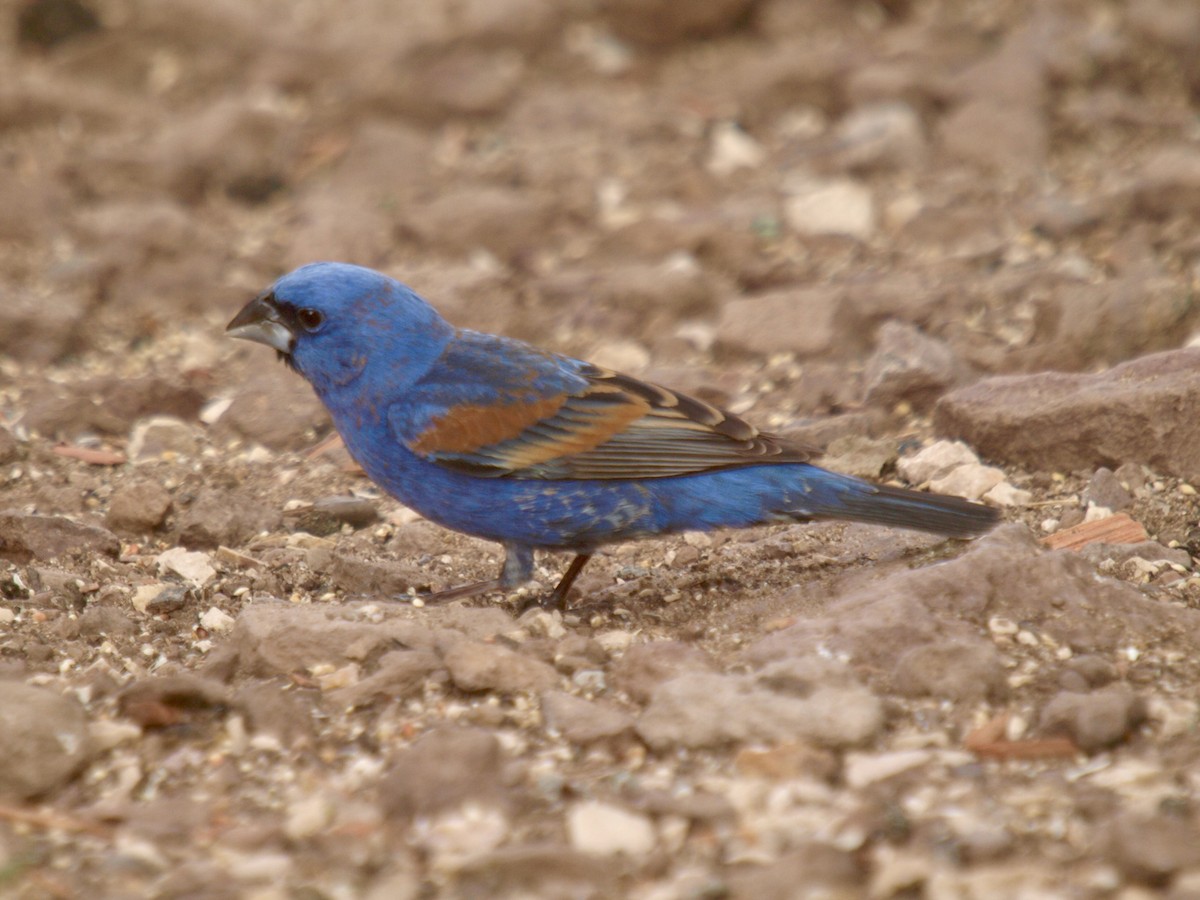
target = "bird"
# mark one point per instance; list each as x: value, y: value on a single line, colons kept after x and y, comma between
x: 537, y: 451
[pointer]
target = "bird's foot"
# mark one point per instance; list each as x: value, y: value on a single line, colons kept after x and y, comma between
x: 462, y: 592
x: 557, y: 598
x: 518, y: 567
x: 549, y: 602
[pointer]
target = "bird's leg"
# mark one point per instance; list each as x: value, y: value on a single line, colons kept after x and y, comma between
x: 518, y: 568
x: 558, y: 597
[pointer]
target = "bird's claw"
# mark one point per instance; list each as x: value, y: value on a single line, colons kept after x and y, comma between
x: 548, y: 602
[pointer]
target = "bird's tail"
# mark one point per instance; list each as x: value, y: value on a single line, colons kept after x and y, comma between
x: 881, y: 504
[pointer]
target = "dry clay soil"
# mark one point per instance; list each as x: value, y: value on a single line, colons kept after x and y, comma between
x: 883, y: 227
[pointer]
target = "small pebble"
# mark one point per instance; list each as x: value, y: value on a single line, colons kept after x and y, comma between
x: 590, y: 680
x: 1000, y: 626
x: 217, y: 620
x: 190, y: 564
x: 607, y: 830
x: 308, y: 817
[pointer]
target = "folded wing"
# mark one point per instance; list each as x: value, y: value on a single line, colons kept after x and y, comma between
x: 610, y: 426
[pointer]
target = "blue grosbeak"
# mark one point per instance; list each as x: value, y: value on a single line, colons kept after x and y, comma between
x: 499, y: 439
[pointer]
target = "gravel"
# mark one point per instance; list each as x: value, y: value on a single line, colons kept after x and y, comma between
x: 957, y: 252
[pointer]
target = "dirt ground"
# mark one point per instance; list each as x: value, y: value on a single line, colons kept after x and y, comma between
x: 875, y: 225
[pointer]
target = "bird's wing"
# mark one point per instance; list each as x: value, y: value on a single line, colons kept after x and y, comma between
x: 549, y: 417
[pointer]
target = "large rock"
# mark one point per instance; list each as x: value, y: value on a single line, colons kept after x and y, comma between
x: 25, y: 537
x: 436, y: 83
x: 505, y: 221
x: 233, y: 145
x: 36, y: 331
x: 109, y: 405
x: 789, y: 700
x: 138, y: 507
x: 801, y: 321
x: 909, y: 365
x: 279, y: 638
x: 645, y: 666
x: 1169, y: 183
x: 1096, y: 720
x: 43, y: 739
x: 996, y: 136
x: 1001, y: 123
x: 1076, y: 326
x: 664, y: 21
x: 274, y: 407
x: 446, y: 767
x: 952, y: 670
x: 401, y: 673
x: 478, y: 666
x: 1151, y: 850
x: 1145, y: 411
x: 583, y: 721
x: 10, y: 448
x: 225, y: 517
x: 918, y: 631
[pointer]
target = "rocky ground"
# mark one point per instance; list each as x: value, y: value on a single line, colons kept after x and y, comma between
x: 953, y: 243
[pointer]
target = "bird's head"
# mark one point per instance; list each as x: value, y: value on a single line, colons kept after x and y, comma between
x: 331, y: 321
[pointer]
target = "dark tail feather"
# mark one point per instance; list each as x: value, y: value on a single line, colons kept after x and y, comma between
x: 881, y: 504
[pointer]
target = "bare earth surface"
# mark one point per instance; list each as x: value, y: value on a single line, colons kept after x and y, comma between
x: 884, y: 227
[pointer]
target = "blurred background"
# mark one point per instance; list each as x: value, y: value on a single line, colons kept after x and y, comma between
x: 827, y: 215
x: 729, y: 195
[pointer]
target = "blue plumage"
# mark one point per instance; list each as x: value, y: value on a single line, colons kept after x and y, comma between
x: 498, y: 439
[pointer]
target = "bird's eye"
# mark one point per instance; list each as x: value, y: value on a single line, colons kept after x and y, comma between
x: 310, y: 319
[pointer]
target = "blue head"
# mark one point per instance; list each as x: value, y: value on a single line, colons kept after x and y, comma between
x: 338, y: 324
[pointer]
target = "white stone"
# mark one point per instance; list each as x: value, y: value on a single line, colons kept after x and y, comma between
x: 1173, y: 715
x: 214, y: 409
x: 265, y: 866
x: 308, y: 816
x: 705, y: 709
x: 107, y: 734
x: 542, y: 623
x: 934, y: 461
x: 606, y: 830
x: 902, y: 210
x: 970, y: 481
x: 190, y: 564
x: 620, y: 356
x: 615, y: 641
x: 1002, y: 626
x: 896, y: 871
x: 840, y: 206
x: 347, y: 676
x: 216, y: 620
x: 143, y: 595
x: 455, y: 837
x: 1005, y: 494
x: 141, y: 850
x: 700, y: 335
x: 880, y: 134
x: 732, y: 149
x: 862, y: 769
x: 152, y: 438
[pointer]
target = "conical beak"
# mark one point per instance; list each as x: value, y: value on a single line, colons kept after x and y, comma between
x: 260, y: 321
